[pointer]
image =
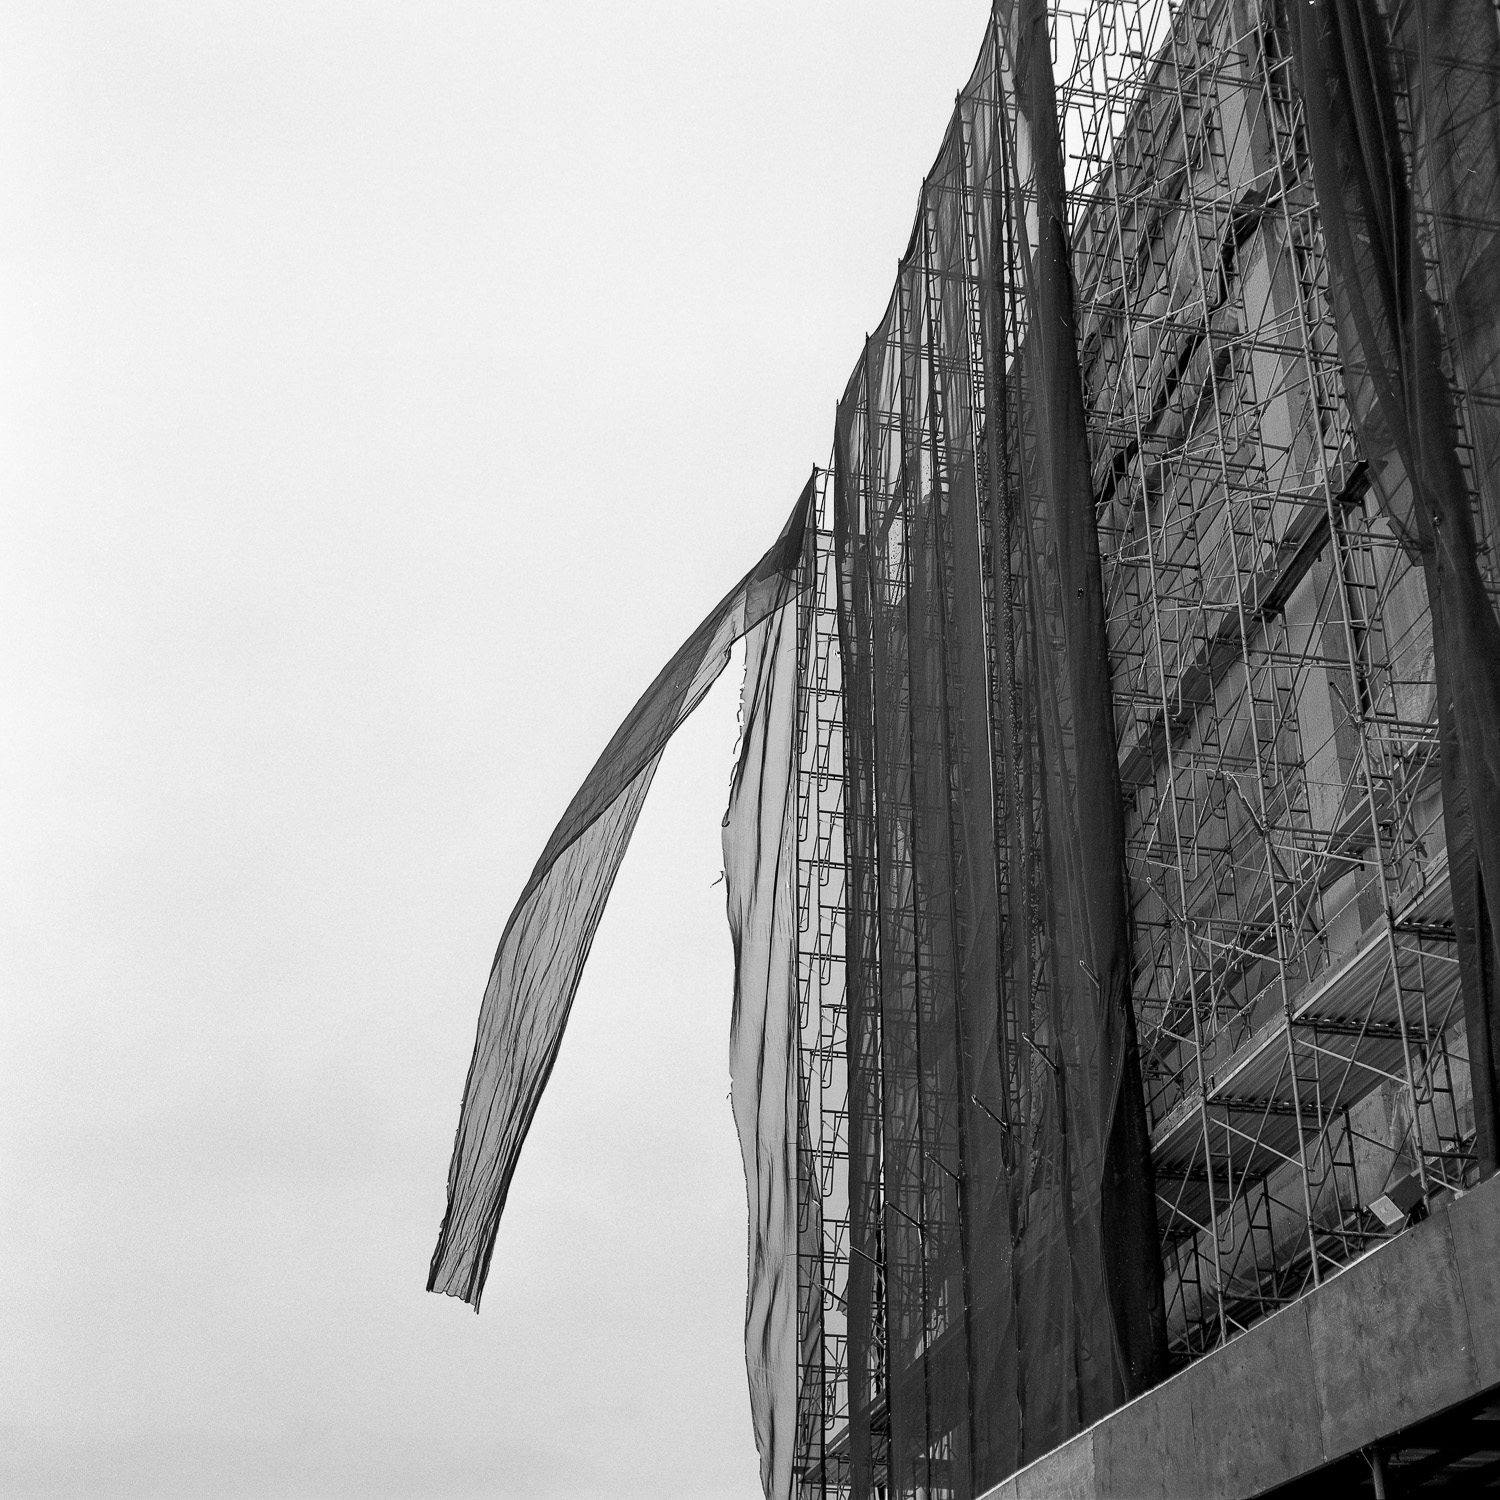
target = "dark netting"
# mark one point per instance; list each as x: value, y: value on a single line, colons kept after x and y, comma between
x: 1448, y: 55
x: 546, y: 941
x: 1391, y: 339
x: 1004, y: 1276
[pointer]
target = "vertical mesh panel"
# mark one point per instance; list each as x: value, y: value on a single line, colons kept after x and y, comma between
x: 1403, y: 401
x: 761, y: 868
x: 1004, y: 1279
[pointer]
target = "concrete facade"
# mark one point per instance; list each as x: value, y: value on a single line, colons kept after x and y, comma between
x: 1407, y: 1332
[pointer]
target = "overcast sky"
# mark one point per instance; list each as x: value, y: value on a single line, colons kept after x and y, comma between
x: 387, y: 391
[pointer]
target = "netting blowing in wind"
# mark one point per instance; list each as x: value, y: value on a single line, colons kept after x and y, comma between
x: 546, y: 941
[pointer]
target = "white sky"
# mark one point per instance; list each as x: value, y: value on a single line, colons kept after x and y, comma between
x: 387, y: 390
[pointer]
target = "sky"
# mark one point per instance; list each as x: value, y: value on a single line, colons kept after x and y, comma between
x: 385, y: 392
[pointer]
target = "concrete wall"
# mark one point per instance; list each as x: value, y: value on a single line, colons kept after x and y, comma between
x: 1399, y: 1336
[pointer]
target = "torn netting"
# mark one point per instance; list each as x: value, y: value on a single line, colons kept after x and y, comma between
x: 1401, y: 400
x: 1004, y: 1273
x: 760, y: 869
x: 546, y: 941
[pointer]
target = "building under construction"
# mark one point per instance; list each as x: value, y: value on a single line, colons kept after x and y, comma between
x: 1112, y: 848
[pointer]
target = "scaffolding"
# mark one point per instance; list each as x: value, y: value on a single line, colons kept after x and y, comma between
x: 1098, y: 505
x: 823, y: 1073
x: 1296, y: 982
x: 1295, y: 977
